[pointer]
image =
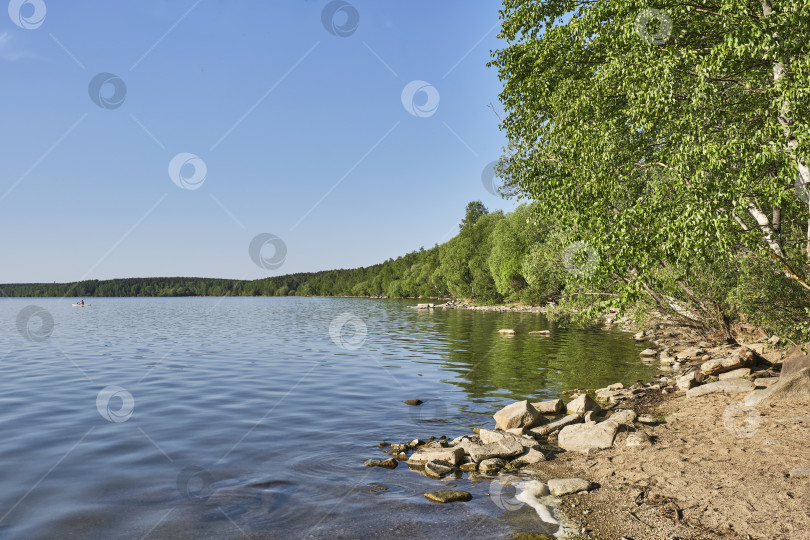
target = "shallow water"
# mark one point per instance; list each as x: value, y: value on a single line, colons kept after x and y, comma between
x: 226, y: 417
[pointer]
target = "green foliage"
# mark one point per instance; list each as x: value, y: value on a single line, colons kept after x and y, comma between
x: 460, y: 268
x: 674, y: 158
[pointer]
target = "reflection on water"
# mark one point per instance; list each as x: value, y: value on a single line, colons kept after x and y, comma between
x: 212, y: 417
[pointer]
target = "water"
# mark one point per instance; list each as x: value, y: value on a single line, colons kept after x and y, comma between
x: 227, y: 417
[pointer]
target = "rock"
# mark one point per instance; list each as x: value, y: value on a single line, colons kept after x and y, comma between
x: 624, y: 417
x: 584, y: 437
x: 551, y: 406
x: 540, y: 333
x: 448, y: 496
x: 758, y: 348
x: 648, y: 353
x: 589, y: 417
x: 543, y: 431
x: 773, y: 340
x: 615, y: 386
x: 469, y: 467
x: 389, y: 463
x: 532, y: 455
x: 507, y: 447
x: 721, y: 365
x: 765, y: 382
x: 402, y: 456
x: 705, y: 345
x: 488, y: 436
x: 799, y: 472
x: 491, y: 466
x: 735, y: 374
x: 794, y: 362
x: 690, y: 380
x: 666, y: 360
x: 647, y: 420
x: 582, y: 404
x: 731, y: 386
x: 438, y: 469
x: 518, y: 414
x: 793, y: 388
x: 507, y: 331
x: 689, y: 352
x: 754, y: 397
x: 637, y: 438
x: 639, y: 336
x: 413, y: 402
x: 565, y: 486
x: 450, y: 455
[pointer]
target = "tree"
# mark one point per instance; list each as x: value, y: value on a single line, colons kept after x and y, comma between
x: 672, y: 137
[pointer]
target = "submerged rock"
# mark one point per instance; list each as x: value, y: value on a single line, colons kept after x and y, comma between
x: 448, y: 495
x: 413, y: 402
x: 389, y: 463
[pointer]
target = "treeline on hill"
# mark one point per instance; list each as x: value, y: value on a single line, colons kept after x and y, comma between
x: 487, y: 262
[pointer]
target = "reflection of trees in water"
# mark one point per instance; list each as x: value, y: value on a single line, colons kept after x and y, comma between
x: 523, y: 366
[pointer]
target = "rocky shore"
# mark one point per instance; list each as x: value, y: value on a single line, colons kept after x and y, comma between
x: 715, y: 447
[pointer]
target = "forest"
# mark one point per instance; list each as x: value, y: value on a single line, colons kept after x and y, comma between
x: 487, y: 262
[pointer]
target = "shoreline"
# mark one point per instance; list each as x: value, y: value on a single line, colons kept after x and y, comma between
x: 687, y: 459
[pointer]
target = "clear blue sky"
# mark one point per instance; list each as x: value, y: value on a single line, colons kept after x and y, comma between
x: 303, y: 134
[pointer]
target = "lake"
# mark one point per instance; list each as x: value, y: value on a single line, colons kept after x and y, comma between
x: 234, y: 417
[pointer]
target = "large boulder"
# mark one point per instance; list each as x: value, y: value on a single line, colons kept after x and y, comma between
x: 584, y: 437
x: 519, y: 414
x: 795, y: 387
x: 582, y: 404
x: 731, y: 386
x: 551, y: 406
x: 450, y: 455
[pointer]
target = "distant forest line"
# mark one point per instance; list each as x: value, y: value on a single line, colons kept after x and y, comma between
x: 483, y: 263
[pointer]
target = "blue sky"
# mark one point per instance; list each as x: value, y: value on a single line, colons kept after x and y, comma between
x: 303, y: 134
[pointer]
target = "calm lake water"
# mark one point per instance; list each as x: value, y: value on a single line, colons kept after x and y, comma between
x: 233, y: 417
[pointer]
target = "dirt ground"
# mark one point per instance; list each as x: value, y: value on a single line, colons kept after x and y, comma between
x: 715, y: 469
